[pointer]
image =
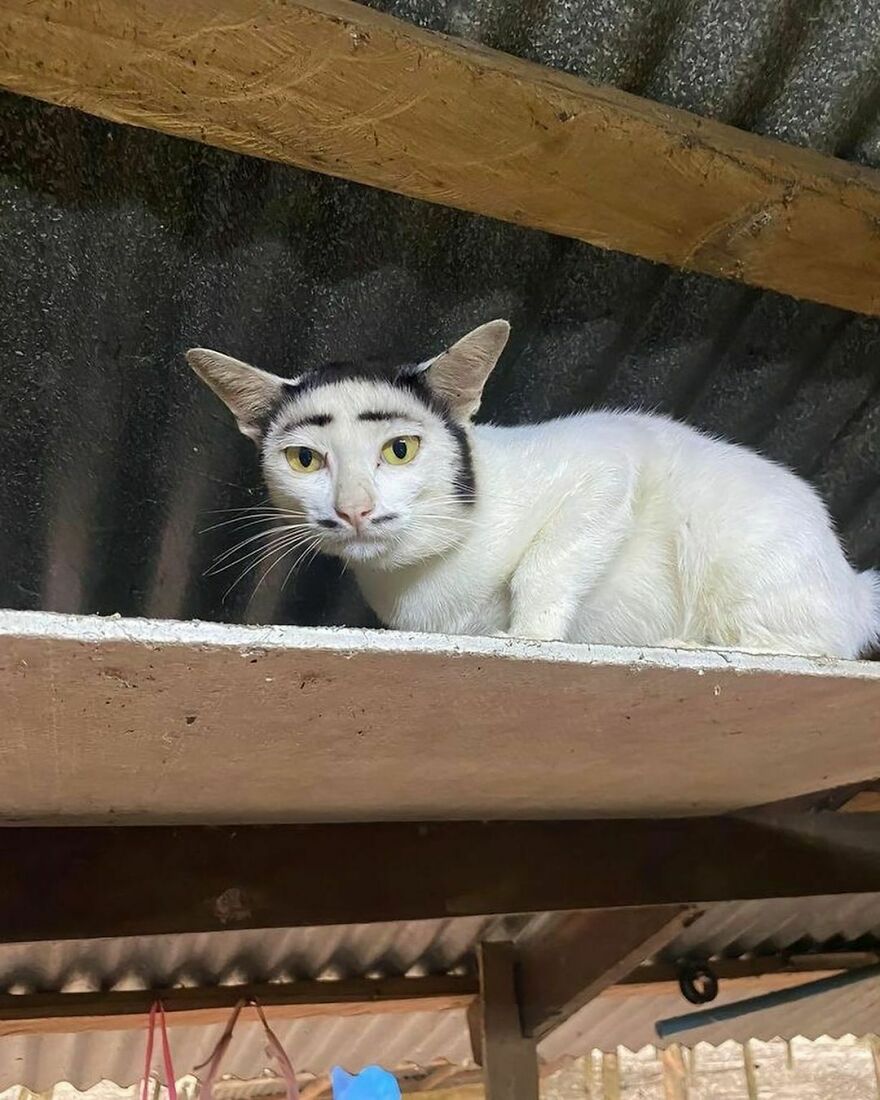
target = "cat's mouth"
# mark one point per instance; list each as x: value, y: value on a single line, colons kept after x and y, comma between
x: 369, y: 541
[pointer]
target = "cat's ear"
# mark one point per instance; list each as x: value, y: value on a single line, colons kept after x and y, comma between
x: 250, y: 393
x: 459, y: 374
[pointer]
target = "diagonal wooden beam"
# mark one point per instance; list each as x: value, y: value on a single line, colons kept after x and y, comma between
x: 334, y: 87
x: 576, y: 956
x: 150, y: 880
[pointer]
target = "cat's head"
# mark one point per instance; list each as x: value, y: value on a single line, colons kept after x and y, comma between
x: 376, y: 462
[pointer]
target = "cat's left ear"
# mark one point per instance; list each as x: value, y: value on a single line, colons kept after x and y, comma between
x: 459, y: 374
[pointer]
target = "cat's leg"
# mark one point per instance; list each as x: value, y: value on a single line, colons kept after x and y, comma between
x: 569, y: 555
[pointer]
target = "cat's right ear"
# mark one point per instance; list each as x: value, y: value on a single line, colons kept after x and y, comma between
x: 459, y: 373
x: 249, y: 393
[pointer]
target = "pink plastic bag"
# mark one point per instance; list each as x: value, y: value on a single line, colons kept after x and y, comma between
x: 273, y: 1048
x: 171, y: 1083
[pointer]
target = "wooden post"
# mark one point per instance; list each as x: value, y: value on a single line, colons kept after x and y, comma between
x: 509, y: 1059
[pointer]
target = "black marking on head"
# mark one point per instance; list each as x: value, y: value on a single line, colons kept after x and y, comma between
x: 330, y: 524
x: 377, y: 415
x: 411, y: 378
x: 465, y: 483
x: 386, y: 518
x: 319, y: 420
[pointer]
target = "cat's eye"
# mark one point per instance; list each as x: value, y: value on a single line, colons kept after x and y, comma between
x: 303, y: 460
x: 401, y: 449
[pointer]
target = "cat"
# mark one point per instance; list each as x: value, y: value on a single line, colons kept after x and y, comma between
x: 624, y: 528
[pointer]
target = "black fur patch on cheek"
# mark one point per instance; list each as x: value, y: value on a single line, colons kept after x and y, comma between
x: 330, y: 524
x: 465, y: 481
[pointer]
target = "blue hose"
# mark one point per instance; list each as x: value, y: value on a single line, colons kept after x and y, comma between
x: 676, y: 1024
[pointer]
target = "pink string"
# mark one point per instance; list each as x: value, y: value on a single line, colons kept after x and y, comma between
x: 213, y: 1061
x: 170, y: 1081
x: 274, y: 1049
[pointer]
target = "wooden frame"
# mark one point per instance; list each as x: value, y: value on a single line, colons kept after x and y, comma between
x: 577, y: 956
x: 508, y: 1057
x: 113, y: 721
x: 338, y: 88
x: 193, y: 879
x: 124, y: 1010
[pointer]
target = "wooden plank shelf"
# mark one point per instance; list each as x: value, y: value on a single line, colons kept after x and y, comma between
x: 139, y: 721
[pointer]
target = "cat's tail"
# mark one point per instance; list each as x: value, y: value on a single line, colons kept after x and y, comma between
x: 870, y: 584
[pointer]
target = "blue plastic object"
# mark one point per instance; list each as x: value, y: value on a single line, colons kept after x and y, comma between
x: 371, y: 1083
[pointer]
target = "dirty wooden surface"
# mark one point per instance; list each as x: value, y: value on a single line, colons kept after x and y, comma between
x: 335, y: 87
x: 143, y: 720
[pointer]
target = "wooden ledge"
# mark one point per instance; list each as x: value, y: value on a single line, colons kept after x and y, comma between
x: 140, y: 721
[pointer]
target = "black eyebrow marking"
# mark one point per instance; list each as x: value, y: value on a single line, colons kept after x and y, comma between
x: 319, y: 420
x: 380, y: 415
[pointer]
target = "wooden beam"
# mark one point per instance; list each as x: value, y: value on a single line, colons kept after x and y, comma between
x: 754, y: 968
x: 125, y: 1010
x: 509, y: 1059
x: 576, y: 956
x: 334, y: 87
x: 166, y: 710
x: 738, y: 988
x: 141, y: 881
x: 865, y: 802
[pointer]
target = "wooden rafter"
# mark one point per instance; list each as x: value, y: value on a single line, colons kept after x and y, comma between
x: 335, y: 87
x: 195, y: 879
x: 122, y: 1010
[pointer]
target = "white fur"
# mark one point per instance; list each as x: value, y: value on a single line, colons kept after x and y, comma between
x: 620, y: 528
x: 610, y: 527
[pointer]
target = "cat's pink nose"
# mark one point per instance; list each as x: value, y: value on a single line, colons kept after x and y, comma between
x: 357, y: 517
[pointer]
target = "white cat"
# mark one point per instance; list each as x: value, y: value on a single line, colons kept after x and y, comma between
x: 613, y: 527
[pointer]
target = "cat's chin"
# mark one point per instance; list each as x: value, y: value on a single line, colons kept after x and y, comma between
x: 362, y: 550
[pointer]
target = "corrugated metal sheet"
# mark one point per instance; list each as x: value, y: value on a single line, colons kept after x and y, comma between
x: 420, y: 947
x: 781, y: 925
x: 613, y: 1021
x: 314, y: 1045
x: 412, y: 948
x: 123, y: 247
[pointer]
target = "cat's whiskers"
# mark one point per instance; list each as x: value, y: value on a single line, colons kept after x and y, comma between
x: 313, y: 546
x: 258, y: 559
x: 249, y: 521
x: 281, y: 533
x: 312, y: 550
x: 284, y: 546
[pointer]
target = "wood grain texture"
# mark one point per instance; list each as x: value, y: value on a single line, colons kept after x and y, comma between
x: 176, y: 879
x: 113, y: 720
x: 508, y: 1058
x: 578, y: 955
x: 334, y: 87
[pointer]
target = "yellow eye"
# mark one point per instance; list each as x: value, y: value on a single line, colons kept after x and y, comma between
x: 303, y: 459
x: 400, y: 450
